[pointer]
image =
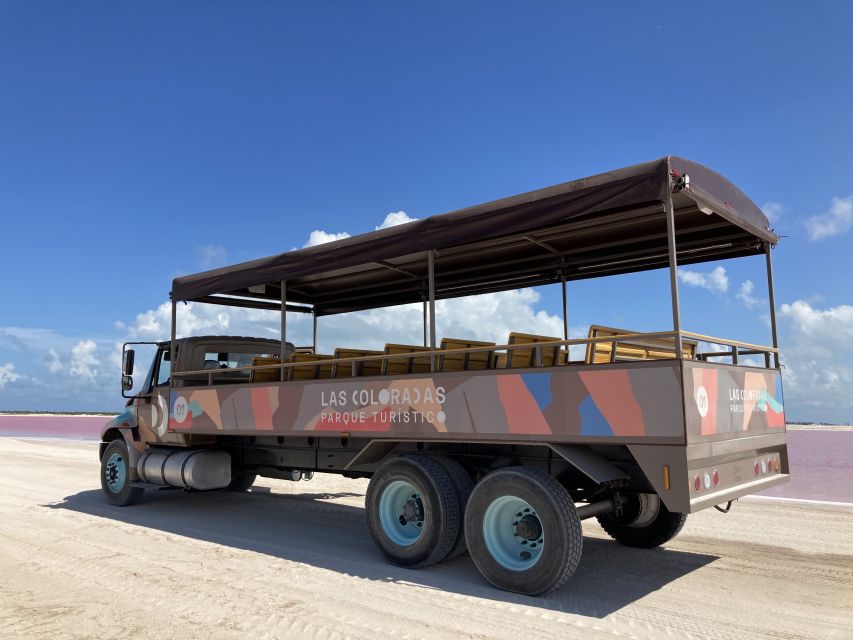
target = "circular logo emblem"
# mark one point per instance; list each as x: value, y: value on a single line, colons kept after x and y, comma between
x: 179, y: 412
x: 702, y: 401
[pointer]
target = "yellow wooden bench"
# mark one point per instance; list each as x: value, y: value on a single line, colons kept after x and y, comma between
x: 632, y: 349
x: 475, y: 360
x: 265, y: 375
x: 402, y: 365
x: 319, y: 370
x: 345, y: 369
x: 521, y: 358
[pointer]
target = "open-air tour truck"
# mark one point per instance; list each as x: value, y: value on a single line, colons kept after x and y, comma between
x: 497, y: 449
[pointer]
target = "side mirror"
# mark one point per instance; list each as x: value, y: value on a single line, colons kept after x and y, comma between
x: 127, y: 363
x: 126, y: 382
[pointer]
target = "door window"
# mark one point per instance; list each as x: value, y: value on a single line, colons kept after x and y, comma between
x: 164, y: 368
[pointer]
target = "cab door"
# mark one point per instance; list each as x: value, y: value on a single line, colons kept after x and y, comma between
x: 153, y: 415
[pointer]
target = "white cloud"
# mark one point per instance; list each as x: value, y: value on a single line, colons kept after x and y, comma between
x: 318, y: 236
x: 54, y: 363
x: 211, y: 256
x: 488, y: 317
x: 716, y: 281
x: 745, y: 294
x: 84, y: 362
x: 8, y: 374
x: 395, y: 218
x: 817, y: 349
x: 838, y: 219
x: 774, y: 211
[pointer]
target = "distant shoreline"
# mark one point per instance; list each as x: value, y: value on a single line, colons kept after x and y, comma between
x: 82, y: 414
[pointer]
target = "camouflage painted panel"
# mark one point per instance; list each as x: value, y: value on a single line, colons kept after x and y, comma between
x: 601, y: 401
x: 725, y: 401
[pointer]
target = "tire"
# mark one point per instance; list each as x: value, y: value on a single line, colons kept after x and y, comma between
x: 534, y: 560
x: 241, y: 482
x: 115, y: 476
x: 412, y: 511
x: 463, y: 485
x: 663, y: 528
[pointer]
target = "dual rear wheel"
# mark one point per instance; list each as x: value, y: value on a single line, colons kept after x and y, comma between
x: 519, y: 525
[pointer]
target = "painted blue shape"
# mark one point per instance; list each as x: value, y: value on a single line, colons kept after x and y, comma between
x: 194, y: 408
x: 779, y: 397
x: 592, y: 422
x: 539, y: 386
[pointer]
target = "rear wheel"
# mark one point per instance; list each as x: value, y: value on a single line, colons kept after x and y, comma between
x: 463, y: 485
x: 412, y: 511
x: 523, y: 531
x: 115, y: 476
x: 643, y: 521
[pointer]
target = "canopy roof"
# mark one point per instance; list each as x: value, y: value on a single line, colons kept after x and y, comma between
x: 606, y: 224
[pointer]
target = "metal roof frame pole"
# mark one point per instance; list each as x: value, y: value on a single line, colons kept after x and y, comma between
x: 314, y: 342
x: 772, y: 296
x: 426, y: 335
x: 173, y: 346
x: 431, y: 271
x: 283, y: 326
x: 673, y: 267
x: 565, y: 316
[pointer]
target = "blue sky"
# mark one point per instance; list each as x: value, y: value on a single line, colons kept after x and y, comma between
x: 139, y: 142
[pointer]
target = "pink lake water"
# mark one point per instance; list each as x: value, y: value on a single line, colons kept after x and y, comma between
x: 821, y: 460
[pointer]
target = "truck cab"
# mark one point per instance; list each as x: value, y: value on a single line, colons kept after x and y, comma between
x: 146, y: 413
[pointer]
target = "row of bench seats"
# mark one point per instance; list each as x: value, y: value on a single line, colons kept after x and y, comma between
x: 408, y: 360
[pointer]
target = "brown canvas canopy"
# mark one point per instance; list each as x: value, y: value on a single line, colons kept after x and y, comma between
x: 606, y: 224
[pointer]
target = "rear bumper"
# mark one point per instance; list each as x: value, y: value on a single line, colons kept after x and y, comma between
x: 732, y: 493
x: 729, y: 469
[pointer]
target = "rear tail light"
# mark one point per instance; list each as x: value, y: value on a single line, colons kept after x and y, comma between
x: 707, y: 480
x: 715, y: 477
x: 763, y: 467
x: 757, y: 468
x: 775, y: 464
x: 697, y: 483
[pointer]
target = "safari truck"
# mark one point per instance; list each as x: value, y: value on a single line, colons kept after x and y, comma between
x: 500, y: 450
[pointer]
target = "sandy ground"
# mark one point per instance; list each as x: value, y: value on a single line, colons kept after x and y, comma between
x: 295, y: 560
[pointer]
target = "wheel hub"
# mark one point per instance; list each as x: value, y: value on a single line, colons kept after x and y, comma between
x: 412, y: 510
x: 529, y: 527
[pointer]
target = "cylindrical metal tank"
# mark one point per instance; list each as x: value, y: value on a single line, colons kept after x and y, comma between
x: 196, y: 469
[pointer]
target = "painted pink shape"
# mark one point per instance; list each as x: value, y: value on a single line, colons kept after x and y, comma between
x: 262, y: 410
x: 613, y: 394
x: 523, y: 414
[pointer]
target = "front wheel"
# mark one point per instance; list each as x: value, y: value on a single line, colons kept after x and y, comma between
x: 241, y: 482
x: 115, y: 476
x: 523, y: 531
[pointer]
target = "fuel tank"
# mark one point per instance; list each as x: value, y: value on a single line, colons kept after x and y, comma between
x: 194, y: 469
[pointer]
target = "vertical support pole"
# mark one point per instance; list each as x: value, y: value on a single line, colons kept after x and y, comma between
x: 426, y: 336
x: 314, y: 342
x: 565, y: 321
x: 431, y: 270
x: 772, y: 296
x: 673, y: 268
x: 283, y: 355
x: 173, y: 346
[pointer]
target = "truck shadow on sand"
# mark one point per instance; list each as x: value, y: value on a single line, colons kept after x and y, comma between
x: 307, y: 528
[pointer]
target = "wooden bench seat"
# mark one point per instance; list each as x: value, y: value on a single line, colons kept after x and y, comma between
x: 345, y: 369
x: 522, y: 358
x: 401, y: 365
x: 476, y: 360
x: 633, y: 349
x: 265, y: 375
x: 319, y: 370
